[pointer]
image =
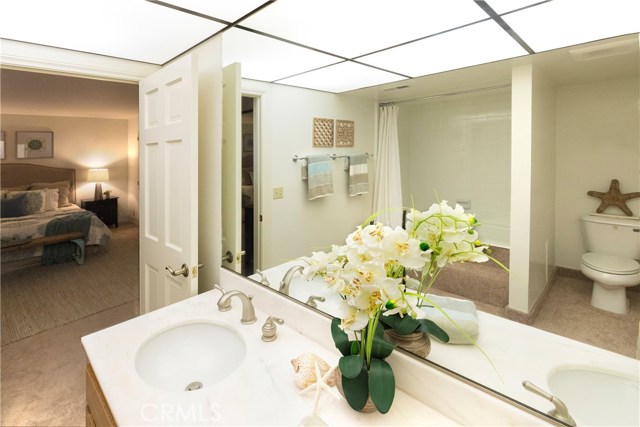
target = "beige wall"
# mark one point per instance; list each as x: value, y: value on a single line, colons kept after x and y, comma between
x: 294, y: 226
x: 598, y: 140
x: 80, y: 143
x: 458, y: 148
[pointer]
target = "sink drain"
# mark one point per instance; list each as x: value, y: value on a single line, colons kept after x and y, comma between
x: 196, y: 385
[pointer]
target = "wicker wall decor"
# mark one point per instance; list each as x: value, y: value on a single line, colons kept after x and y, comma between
x: 322, y: 132
x: 345, y: 130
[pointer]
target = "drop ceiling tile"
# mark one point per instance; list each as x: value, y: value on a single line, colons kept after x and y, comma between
x: 136, y: 30
x: 473, y: 45
x: 264, y: 58
x: 226, y: 10
x: 341, y: 77
x: 357, y: 27
x: 504, y: 6
x: 562, y: 23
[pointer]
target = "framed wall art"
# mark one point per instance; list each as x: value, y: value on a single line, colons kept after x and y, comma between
x: 34, y: 145
x: 345, y: 130
x: 323, y: 132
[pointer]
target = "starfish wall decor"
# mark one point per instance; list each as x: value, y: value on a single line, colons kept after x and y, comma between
x: 614, y: 197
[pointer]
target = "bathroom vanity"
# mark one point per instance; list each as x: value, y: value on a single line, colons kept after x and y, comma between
x: 255, y: 386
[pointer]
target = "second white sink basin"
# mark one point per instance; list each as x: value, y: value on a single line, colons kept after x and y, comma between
x: 190, y: 356
x: 598, y: 398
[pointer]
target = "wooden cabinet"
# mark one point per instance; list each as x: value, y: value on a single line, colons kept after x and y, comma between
x: 98, y: 411
x: 105, y: 209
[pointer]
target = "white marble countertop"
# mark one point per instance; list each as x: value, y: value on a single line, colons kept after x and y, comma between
x: 260, y: 392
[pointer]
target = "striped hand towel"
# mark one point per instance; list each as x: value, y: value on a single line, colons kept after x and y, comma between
x: 319, y: 176
x: 358, y: 174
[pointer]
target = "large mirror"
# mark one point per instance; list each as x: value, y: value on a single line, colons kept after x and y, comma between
x: 517, y: 142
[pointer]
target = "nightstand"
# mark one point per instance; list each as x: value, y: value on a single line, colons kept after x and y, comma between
x: 105, y: 209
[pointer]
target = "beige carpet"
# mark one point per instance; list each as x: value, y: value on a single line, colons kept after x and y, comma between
x: 44, y: 297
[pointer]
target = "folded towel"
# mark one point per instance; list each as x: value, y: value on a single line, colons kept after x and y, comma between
x: 319, y: 176
x: 358, y: 174
x: 463, y: 312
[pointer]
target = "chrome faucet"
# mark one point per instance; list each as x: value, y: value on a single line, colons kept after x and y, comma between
x: 561, y: 412
x: 263, y: 278
x: 248, y: 313
x: 286, y: 280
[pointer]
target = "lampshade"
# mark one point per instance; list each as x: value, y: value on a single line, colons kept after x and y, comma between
x: 98, y: 175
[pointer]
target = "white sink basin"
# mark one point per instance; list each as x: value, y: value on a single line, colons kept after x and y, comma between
x: 190, y: 356
x: 598, y: 397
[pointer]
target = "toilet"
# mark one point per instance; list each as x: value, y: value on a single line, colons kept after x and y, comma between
x: 613, y: 245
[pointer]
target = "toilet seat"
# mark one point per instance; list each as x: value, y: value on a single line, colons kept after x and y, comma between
x: 610, y: 264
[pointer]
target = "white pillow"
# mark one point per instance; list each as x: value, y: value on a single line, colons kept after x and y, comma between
x: 51, y: 199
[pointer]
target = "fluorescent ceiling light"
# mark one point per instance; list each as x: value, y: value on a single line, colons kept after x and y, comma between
x: 267, y: 59
x: 222, y: 9
x: 341, y: 78
x: 136, y: 30
x: 472, y: 45
x: 562, y: 23
x: 503, y: 6
x: 356, y: 27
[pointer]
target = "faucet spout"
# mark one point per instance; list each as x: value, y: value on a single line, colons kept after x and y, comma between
x: 248, y: 312
x: 286, y: 280
x: 560, y: 411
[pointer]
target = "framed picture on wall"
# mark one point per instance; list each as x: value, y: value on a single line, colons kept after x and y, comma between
x: 34, y: 145
x: 2, y: 138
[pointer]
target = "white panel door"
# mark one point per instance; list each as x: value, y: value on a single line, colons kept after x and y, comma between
x: 231, y: 168
x: 169, y: 185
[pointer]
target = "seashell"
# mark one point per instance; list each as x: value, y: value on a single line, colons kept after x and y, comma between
x: 304, y: 370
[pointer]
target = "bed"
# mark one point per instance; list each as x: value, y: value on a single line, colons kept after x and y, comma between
x: 41, y: 221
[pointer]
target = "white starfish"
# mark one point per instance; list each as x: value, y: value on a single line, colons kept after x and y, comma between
x: 321, y: 384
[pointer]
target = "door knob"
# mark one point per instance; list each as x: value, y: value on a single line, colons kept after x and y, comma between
x: 184, y: 270
x: 228, y: 257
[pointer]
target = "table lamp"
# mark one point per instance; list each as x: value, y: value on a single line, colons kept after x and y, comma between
x: 98, y: 176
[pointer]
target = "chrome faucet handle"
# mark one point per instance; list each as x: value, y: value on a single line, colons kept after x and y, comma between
x: 263, y: 278
x: 561, y: 412
x: 248, y: 312
x: 311, y: 301
x: 269, y: 328
x: 227, y: 305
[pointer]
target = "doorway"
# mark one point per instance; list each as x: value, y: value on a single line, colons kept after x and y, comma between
x: 250, y: 188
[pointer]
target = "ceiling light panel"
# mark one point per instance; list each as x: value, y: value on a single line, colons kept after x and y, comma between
x: 264, y: 58
x: 130, y: 29
x: 504, y: 6
x: 357, y: 27
x: 473, y: 45
x: 226, y: 10
x: 562, y: 23
x: 341, y: 77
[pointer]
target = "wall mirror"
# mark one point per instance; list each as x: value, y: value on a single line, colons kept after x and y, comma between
x: 455, y: 132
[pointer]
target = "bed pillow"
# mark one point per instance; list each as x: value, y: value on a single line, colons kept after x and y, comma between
x: 14, y: 207
x: 64, y: 188
x: 51, y: 199
x: 35, y: 200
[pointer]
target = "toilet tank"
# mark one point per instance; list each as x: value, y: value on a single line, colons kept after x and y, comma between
x: 611, y: 235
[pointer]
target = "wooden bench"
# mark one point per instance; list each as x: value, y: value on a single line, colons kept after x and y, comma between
x: 73, y: 237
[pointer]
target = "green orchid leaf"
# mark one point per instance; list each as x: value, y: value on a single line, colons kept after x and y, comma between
x: 340, y: 338
x: 351, y: 366
x: 381, y: 348
x: 382, y: 385
x: 356, y: 390
x: 379, y: 332
x: 355, y: 347
x: 431, y: 328
x: 402, y: 325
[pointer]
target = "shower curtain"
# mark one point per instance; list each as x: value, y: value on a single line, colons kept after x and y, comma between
x: 387, y: 196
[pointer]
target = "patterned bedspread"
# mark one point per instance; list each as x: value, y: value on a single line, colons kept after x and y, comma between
x: 33, y: 226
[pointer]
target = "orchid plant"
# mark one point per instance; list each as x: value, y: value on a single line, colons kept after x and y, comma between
x: 370, y: 273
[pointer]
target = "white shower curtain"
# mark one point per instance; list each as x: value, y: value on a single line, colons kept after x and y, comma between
x: 387, y: 196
